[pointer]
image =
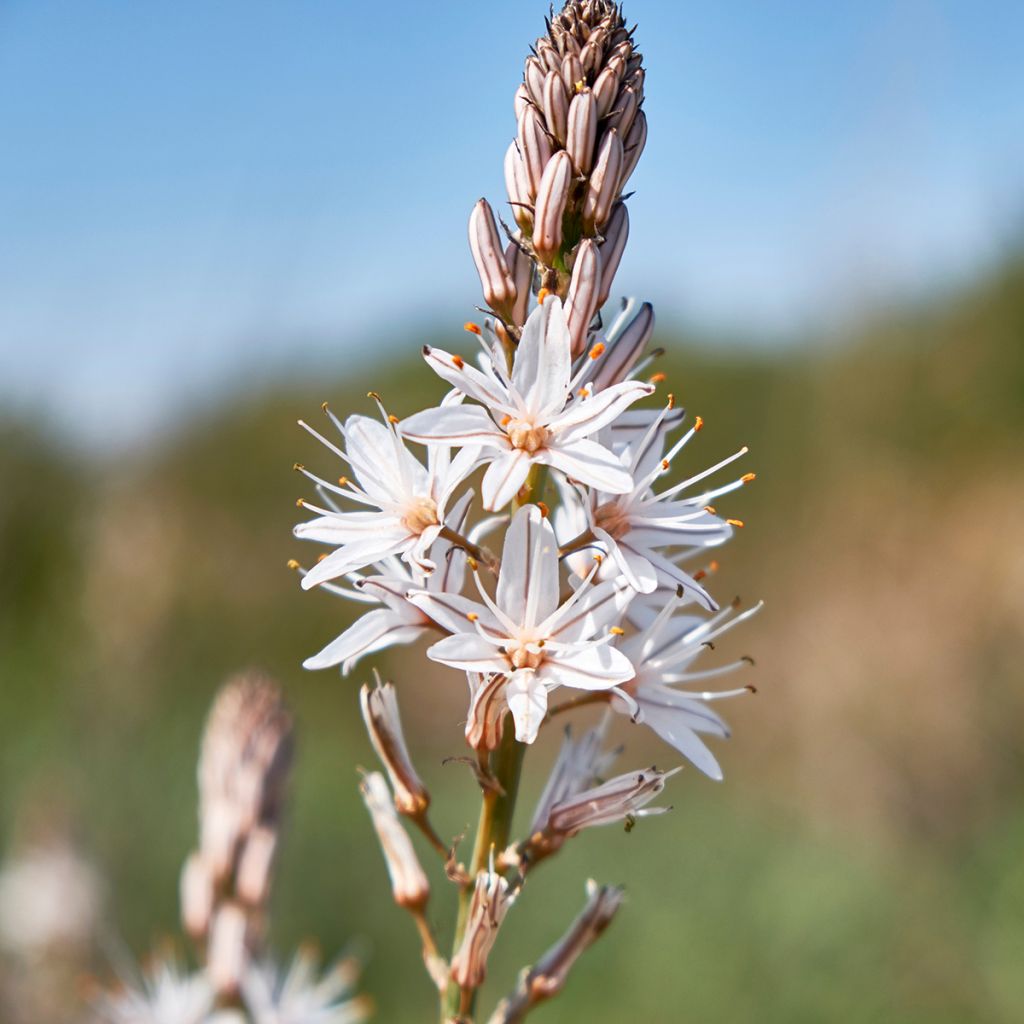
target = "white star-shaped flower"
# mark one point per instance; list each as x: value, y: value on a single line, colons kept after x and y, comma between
x: 526, y: 635
x: 407, y: 500
x: 531, y: 416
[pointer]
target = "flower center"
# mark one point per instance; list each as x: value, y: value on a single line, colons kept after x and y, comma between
x: 420, y: 514
x: 526, y: 436
x: 613, y: 518
x: 523, y: 657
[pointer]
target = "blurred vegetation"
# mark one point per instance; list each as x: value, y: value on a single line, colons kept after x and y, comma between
x: 864, y: 859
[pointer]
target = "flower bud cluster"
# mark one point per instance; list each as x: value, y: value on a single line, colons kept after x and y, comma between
x: 244, y: 763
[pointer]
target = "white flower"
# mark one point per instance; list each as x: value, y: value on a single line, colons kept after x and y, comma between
x: 635, y: 528
x: 663, y: 653
x: 166, y: 995
x: 397, y: 620
x: 301, y: 995
x: 531, y: 416
x: 407, y: 500
x: 524, y: 633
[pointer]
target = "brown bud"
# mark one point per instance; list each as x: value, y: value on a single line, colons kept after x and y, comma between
x: 255, y: 866
x: 581, y: 301
x: 626, y: 340
x: 616, y: 232
x: 634, y: 147
x: 487, y: 909
x: 518, y: 188
x: 380, y: 713
x: 626, y: 107
x: 606, y: 89
x: 196, y: 895
x: 591, y: 54
x: 603, y: 188
x: 487, y: 707
x: 581, y: 133
x: 552, y: 196
x: 548, y: 55
x: 521, y: 98
x: 556, y: 106
x: 485, y: 244
x: 228, y: 951
x: 534, y: 145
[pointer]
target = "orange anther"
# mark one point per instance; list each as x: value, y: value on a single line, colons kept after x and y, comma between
x: 544, y: 510
x: 665, y: 463
x: 506, y: 420
x: 597, y: 351
x: 712, y: 566
x: 459, y: 362
x: 542, y: 295
x: 747, y: 477
x: 698, y: 423
x: 735, y: 522
x: 343, y: 481
x: 617, y: 631
x: 471, y: 327
x: 392, y: 418
x: 710, y: 509
x: 292, y: 564
x: 656, y: 378
x: 472, y: 616
x: 700, y: 574
x: 671, y: 400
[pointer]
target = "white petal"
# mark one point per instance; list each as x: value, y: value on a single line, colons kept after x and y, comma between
x: 589, y: 463
x: 452, y: 611
x: 454, y: 425
x: 527, y: 699
x: 672, y: 574
x: 543, y: 361
x: 356, y: 555
x: 673, y: 726
x: 588, y: 668
x: 468, y: 651
x: 345, y: 527
x: 504, y: 476
x: 528, y: 581
x: 598, y: 607
x: 634, y: 566
x: 387, y: 471
x: 466, y: 378
x: 372, y: 632
x: 585, y: 416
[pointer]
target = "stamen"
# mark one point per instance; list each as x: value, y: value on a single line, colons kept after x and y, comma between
x: 617, y: 631
x: 292, y: 564
x: 748, y: 477
x: 459, y: 362
x: 735, y: 522
x: 656, y: 378
x: 544, y: 510
x: 542, y: 295
x: 471, y: 327
x: 597, y: 351
x: 698, y: 423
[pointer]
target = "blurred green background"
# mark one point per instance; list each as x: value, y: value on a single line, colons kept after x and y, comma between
x: 863, y: 860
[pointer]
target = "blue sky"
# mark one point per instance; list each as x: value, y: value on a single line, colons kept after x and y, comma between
x: 195, y: 194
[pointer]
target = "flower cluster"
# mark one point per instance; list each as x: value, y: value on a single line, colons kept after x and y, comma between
x: 531, y: 524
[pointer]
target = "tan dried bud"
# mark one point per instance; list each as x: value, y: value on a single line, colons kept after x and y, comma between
x: 521, y: 267
x: 196, y: 893
x: 556, y: 106
x: 228, y: 951
x: 534, y: 145
x: 409, y: 884
x: 255, y: 866
x: 487, y: 909
x: 603, y: 188
x: 549, y: 975
x: 608, y: 803
x: 581, y: 130
x: 552, y: 196
x: 383, y: 723
x: 485, y: 244
x: 616, y: 233
x: 581, y: 301
x: 633, y: 148
x: 626, y: 340
x: 518, y: 188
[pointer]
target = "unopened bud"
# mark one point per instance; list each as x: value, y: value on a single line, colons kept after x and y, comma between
x: 534, y: 145
x: 625, y: 111
x: 487, y: 707
x: 487, y: 909
x: 485, y: 244
x: 519, y: 101
x: 581, y: 132
x: 603, y: 188
x: 552, y: 196
x: 616, y: 233
x: 556, y: 106
x: 634, y: 147
x: 549, y: 57
x: 521, y: 267
x: 581, y: 301
x: 255, y: 866
x: 196, y: 895
x: 228, y: 953
x: 380, y: 713
x: 533, y: 79
x: 627, y: 338
x: 591, y: 54
x: 518, y: 188
x: 409, y: 884
x: 572, y: 71
x: 606, y: 89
